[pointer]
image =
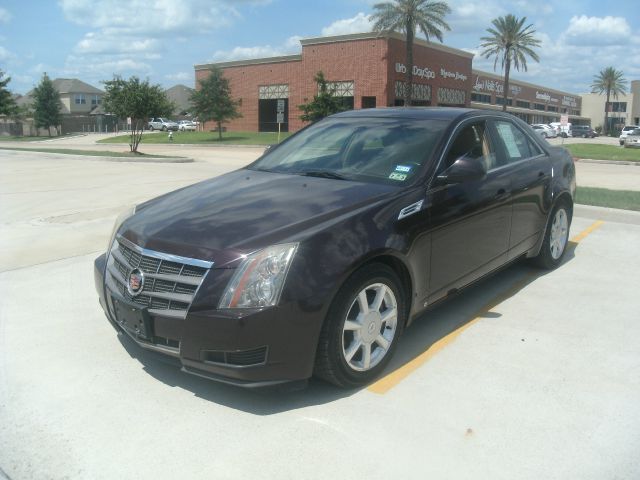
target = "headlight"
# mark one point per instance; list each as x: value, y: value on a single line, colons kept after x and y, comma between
x: 119, y: 221
x: 259, y: 279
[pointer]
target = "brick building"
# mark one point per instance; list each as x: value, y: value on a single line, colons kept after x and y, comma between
x: 368, y: 70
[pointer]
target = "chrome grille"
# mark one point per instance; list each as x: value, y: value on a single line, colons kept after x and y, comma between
x: 170, y: 281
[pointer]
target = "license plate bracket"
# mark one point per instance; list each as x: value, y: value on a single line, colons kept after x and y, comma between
x: 133, y: 319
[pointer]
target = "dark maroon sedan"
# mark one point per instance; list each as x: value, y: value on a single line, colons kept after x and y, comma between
x: 316, y: 257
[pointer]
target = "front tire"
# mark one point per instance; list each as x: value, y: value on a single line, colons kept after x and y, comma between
x: 362, y: 327
x: 556, y: 238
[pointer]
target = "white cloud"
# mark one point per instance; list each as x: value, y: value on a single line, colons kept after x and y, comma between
x: 289, y: 47
x: 597, y: 30
x: 180, y: 76
x: 472, y: 17
x: 5, y: 54
x: 104, y: 43
x: 358, y: 24
x: 158, y: 17
x: 5, y: 15
x: 127, y: 36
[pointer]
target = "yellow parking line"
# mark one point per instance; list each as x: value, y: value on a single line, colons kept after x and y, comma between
x: 587, y: 231
x: 389, y: 381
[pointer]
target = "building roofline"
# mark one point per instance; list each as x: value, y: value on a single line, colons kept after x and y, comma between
x: 332, y: 39
x: 252, y: 61
x: 510, y: 109
x: 385, y: 34
x: 520, y: 82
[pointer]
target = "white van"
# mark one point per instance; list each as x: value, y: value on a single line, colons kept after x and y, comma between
x: 563, y: 130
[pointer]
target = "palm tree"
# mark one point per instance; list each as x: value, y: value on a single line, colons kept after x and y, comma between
x: 407, y: 15
x: 510, y: 43
x: 611, y: 81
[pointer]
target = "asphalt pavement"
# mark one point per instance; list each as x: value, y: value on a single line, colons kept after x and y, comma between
x: 526, y: 375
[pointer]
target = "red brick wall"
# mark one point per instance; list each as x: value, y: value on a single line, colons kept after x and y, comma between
x: 434, y: 60
x: 361, y: 61
x: 370, y: 63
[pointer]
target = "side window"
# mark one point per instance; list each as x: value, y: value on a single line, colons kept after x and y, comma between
x: 472, y: 141
x: 516, y: 145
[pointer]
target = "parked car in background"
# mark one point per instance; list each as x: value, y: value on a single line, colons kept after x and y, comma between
x: 545, y: 131
x: 186, y: 125
x: 562, y: 130
x: 163, y: 124
x: 632, y: 140
x: 584, y: 131
x: 625, y: 131
x: 314, y: 258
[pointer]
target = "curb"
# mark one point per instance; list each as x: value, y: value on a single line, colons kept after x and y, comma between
x: 616, y: 215
x: 106, y: 158
x: 198, y: 145
x: 610, y: 162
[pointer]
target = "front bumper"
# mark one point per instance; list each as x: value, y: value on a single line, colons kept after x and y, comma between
x: 247, y: 348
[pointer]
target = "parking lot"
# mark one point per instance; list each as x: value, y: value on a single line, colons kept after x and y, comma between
x: 526, y: 375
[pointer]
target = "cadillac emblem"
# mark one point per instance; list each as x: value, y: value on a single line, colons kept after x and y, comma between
x: 136, y: 282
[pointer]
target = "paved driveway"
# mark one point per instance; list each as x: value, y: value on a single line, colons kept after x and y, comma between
x: 526, y: 375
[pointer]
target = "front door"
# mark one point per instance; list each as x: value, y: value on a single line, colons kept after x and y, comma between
x: 470, y: 221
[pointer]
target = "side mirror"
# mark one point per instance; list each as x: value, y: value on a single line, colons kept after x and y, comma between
x: 464, y: 169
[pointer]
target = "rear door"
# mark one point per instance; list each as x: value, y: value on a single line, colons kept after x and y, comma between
x: 529, y: 169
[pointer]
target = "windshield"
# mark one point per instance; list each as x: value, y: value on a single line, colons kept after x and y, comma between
x: 380, y: 150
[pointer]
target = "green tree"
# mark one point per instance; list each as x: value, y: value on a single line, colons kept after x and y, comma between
x: 405, y: 16
x: 46, y: 105
x: 213, y: 102
x: 609, y: 81
x: 7, y: 103
x: 135, y: 100
x: 325, y: 103
x: 511, y: 43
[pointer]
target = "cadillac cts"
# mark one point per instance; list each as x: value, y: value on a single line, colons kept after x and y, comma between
x: 315, y: 258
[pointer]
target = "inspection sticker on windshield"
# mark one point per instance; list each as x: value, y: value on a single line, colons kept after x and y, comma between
x: 398, y: 176
x: 403, y: 168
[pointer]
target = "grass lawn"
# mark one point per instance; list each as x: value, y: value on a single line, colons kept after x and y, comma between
x: 205, y: 138
x: 603, y: 197
x: 96, y: 153
x: 603, y: 152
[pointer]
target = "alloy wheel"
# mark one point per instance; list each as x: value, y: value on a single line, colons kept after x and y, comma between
x: 559, y: 233
x: 370, y: 327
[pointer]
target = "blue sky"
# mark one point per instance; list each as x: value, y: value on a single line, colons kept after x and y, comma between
x: 162, y: 39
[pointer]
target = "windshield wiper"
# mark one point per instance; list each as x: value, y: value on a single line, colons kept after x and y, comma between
x: 323, y: 174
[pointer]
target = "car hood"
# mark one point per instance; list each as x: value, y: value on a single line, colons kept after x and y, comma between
x: 223, y: 218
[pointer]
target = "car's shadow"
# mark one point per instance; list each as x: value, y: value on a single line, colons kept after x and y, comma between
x: 434, y: 325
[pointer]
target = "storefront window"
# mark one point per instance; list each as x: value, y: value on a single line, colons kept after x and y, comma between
x: 480, y: 98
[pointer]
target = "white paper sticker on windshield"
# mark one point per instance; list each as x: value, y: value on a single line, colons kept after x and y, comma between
x: 398, y: 176
x: 403, y: 168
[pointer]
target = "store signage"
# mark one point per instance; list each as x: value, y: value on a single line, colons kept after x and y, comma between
x: 546, y: 97
x: 455, y: 75
x: 569, y: 101
x: 417, y: 71
x: 488, y: 85
x: 426, y: 72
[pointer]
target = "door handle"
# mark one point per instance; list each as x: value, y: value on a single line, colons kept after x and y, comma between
x: 501, y: 194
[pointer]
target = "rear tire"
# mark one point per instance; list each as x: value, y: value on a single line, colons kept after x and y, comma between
x: 556, y: 237
x: 151, y: 128
x: 362, y: 327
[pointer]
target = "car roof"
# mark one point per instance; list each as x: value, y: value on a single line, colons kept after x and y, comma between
x: 419, y: 113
